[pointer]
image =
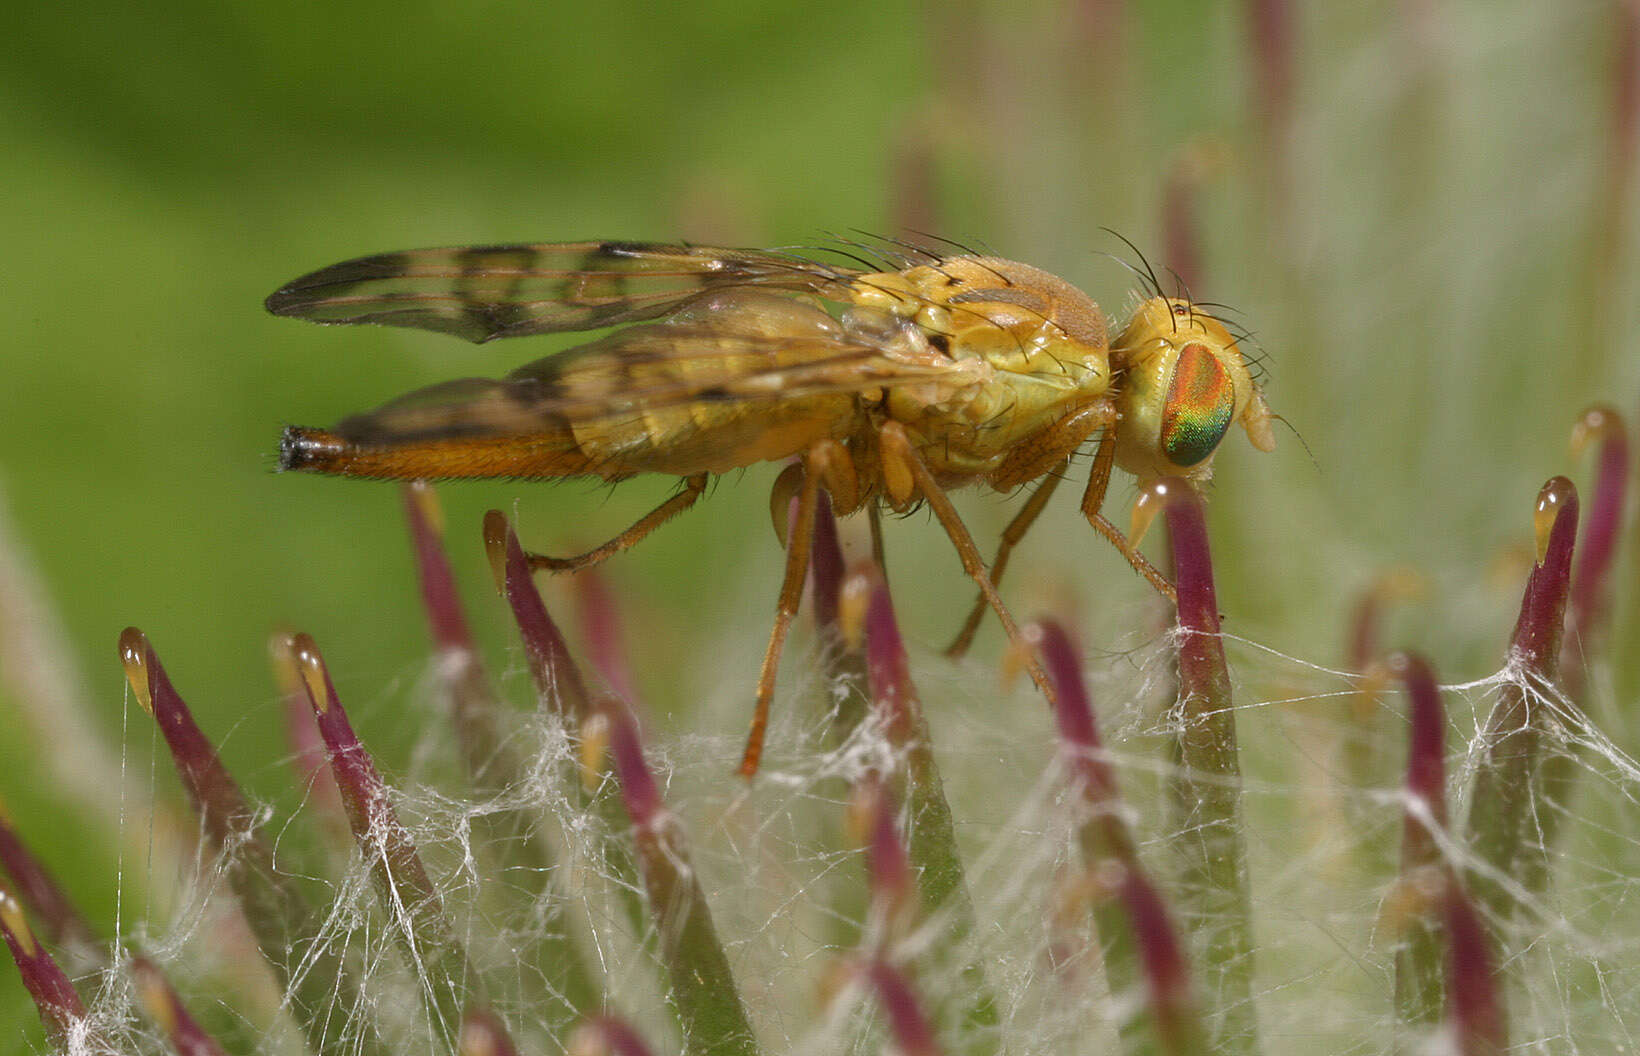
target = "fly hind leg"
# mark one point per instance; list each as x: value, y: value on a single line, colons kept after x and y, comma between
x: 798, y: 539
x: 692, y: 488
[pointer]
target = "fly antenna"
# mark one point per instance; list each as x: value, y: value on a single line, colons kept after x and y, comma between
x: 1291, y: 428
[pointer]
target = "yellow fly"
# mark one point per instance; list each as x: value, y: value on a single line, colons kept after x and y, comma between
x: 889, y: 383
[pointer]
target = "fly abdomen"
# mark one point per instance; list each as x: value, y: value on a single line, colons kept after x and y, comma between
x: 538, y: 456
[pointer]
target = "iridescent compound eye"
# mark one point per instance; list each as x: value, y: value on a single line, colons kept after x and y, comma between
x: 1201, y: 400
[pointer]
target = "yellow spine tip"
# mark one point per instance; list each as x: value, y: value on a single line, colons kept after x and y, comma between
x: 1593, y: 426
x: 587, y: 1040
x: 594, y: 750
x: 862, y: 802
x: 134, y: 658
x: 1016, y: 658
x: 853, y: 600
x: 495, y: 548
x: 11, y: 917
x: 1152, y: 497
x: 154, y: 996
x: 1381, y: 672
x: 426, y: 500
x: 1072, y: 895
x: 476, y: 1039
x: 1371, y: 686
x: 1400, y: 583
x: 1554, y: 495
x: 1411, y: 900
x: 282, y: 659
x: 1106, y: 879
x: 311, y: 665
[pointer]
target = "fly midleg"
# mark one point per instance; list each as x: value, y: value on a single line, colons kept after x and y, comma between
x: 901, y: 461
x: 799, y: 538
x: 1011, y: 536
x: 1046, y: 455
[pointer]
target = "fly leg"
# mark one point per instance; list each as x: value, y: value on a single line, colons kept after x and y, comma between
x: 798, y: 538
x: 906, y: 476
x: 692, y: 488
x: 1011, y: 536
x: 874, y: 516
x: 1047, y: 455
x: 1094, y: 497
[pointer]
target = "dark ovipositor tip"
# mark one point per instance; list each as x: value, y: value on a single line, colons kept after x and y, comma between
x: 304, y: 448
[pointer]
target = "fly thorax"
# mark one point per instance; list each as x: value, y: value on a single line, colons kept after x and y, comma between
x: 1055, y: 359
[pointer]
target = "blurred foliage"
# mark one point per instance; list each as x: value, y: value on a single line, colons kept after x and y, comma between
x: 1411, y: 243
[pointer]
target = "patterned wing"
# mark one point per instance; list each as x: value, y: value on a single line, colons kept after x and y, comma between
x: 732, y: 354
x: 485, y: 292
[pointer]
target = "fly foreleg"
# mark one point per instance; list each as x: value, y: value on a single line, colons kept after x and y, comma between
x: 1094, y: 498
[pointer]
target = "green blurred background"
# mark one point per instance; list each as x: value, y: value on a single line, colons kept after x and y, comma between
x: 1407, y: 228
